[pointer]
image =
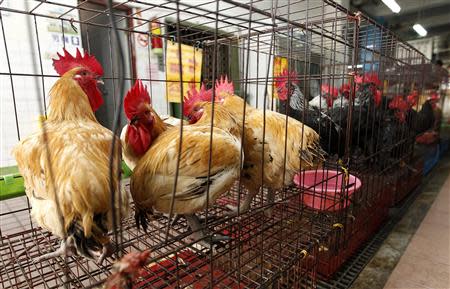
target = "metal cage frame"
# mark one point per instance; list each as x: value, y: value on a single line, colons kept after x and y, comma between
x: 322, y: 40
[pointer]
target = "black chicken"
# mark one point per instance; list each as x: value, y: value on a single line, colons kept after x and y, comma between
x: 399, y: 126
x: 329, y: 131
x: 423, y: 120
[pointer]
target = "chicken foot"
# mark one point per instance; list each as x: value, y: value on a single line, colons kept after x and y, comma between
x: 202, y: 220
x: 200, y: 233
x: 67, y: 248
x: 107, y: 250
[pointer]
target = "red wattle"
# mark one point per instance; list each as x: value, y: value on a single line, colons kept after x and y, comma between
x: 94, y: 95
x: 139, y: 139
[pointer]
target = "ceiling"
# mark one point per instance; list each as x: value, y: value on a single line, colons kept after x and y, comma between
x: 433, y: 15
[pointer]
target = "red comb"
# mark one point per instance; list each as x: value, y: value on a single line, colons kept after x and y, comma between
x: 136, y: 96
x: 371, y: 77
x: 434, y: 96
x: 401, y: 106
x: 378, y: 97
x: 412, y: 98
x: 282, y: 79
x: 67, y: 62
x: 193, y: 96
x: 398, y: 103
x: 345, y: 88
x: 223, y: 85
x: 328, y: 89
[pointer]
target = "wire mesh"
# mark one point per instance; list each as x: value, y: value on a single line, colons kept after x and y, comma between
x: 289, y: 233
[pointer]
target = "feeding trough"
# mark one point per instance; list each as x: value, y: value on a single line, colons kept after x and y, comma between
x: 327, y: 190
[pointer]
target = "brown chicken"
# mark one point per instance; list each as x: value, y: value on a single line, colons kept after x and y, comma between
x: 66, y: 165
x: 154, y: 148
x: 302, y: 149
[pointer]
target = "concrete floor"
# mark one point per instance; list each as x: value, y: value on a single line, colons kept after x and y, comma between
x: 416, y: 252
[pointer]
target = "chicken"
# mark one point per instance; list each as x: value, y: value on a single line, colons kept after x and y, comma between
x: 417, y: 121
x: 154, y: 148
x: 66, y: 165
x: 303, y: 149
x: 424, y: 119
x: 325, y: 99
x: 367, y: 89
x: 313, y: 117
x: 366, y: 112
x: 342, y: 99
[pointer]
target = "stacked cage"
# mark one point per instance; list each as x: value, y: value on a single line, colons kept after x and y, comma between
x: 381, y: 148
x: 328, y: 69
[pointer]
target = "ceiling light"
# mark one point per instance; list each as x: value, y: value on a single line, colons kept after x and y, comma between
x: 393, y: 5
x: 420, y: 30
x: 357, y: 66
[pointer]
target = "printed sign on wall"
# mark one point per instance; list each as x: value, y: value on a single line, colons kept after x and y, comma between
x: 191, y: 59
x: 279, y: 64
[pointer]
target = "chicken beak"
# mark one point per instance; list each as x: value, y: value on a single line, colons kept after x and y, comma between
x: 101, y: 86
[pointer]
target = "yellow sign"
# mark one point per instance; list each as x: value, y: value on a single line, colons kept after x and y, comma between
x: 191, y: 58
x: 279, y: 64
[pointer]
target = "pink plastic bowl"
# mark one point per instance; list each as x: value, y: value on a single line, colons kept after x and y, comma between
x: 325, y: 189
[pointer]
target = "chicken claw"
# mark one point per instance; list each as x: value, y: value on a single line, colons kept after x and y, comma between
x: 176, y: 218
x: 67, y: 248
x: 107, y: 251
x: 200, y: 234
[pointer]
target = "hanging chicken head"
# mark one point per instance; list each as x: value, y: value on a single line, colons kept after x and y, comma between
x: 284, y: 82
x: 138, y: 109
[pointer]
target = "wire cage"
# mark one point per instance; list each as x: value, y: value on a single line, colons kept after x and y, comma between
x: 310, y: 60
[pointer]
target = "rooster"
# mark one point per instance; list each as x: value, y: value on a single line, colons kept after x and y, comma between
x: 417, y: 122
x: 303, y: 149
x: 66, y: 165
x: 325, y: 99
x: 366, y: 111
x: 344, y: 94
x: 329, y: 130
x: 424, y: 119
x: 154, y: 149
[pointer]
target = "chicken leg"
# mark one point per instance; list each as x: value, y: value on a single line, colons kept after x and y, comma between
x: 270, y: 203
x: 199, y: 233
x: 244, y: 207
x: 67, y: 248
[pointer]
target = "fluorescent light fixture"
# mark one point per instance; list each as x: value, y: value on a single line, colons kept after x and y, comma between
x: 420, y: 30
x: 357, y: 66
x: 393, y: 5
